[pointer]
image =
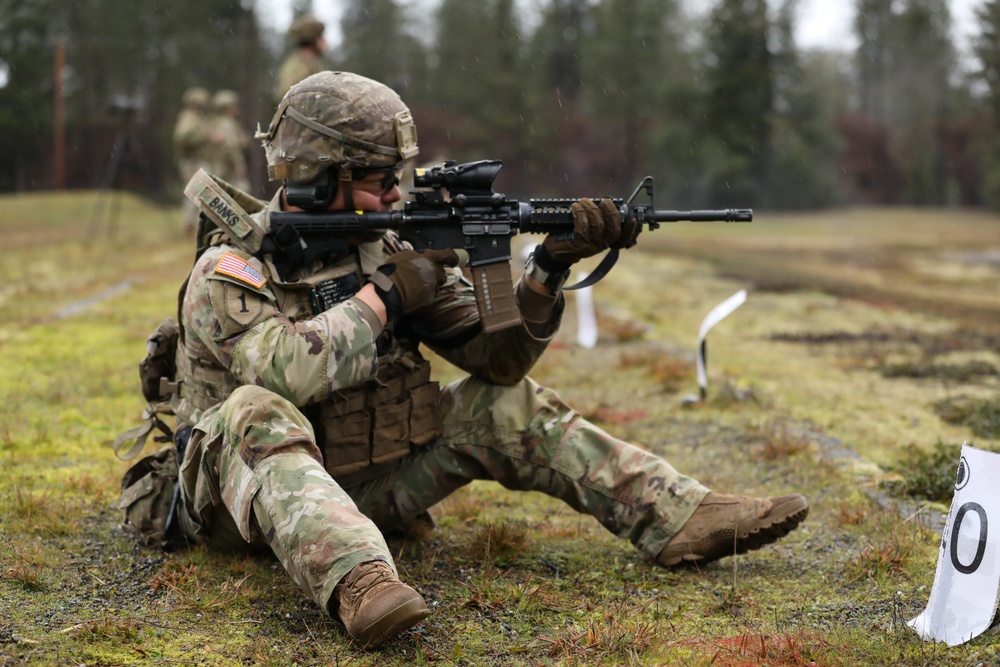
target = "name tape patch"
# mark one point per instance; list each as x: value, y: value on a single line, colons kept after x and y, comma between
x: 235, y: 266
x: 225, y: 213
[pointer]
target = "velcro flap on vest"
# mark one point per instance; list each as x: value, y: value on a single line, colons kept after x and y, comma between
x: 141, y: 488
x: 217, y: 204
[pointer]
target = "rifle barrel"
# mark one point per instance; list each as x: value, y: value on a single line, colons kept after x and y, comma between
x: 723, y: 215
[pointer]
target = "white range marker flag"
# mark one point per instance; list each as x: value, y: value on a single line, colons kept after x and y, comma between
x: 964, y: 595
x: 586, y: 319
x: 716, y: 315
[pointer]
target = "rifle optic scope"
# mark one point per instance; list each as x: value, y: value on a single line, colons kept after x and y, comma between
x: 474, y: 178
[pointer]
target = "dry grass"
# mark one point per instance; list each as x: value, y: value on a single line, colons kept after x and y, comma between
x: 669, y: 371
x: 853, y: 514
x: 110, y: 628
x: 27, y: 567
x: 41, y: 511
x: 615, y: 636
x: 781, y: 439
x: 460, y: 506
x: 775, y: 650
x: 499, y: 543
x: 889, y: 546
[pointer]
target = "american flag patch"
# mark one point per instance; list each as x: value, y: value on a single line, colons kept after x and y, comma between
x: 236, y: 267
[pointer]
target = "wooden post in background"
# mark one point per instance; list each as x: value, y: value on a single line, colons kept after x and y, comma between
x: 59, y: 121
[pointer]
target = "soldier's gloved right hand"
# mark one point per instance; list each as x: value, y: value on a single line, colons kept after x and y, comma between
x: 410, y: 279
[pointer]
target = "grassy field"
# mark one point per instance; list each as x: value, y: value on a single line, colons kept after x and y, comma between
x: 867, y: 352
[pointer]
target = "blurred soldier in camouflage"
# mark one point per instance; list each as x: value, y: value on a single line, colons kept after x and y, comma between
x: 306, y: 59
x: 190, y: 138
x: 228, y: 140
x: 316, y: 426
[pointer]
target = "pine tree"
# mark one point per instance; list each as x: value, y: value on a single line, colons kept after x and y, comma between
x: 638, y: 80
x: 377, y: 44
x: 739, y: 100
x: 905, y: 60
x: 557, y: 45
x: 873, y: 58
x: 27, y: 42
x: 811, y: 90
x: 479, y: 81
x: 987, y: 50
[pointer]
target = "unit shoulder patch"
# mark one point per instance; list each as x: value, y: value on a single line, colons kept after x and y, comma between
x: 236, y: 267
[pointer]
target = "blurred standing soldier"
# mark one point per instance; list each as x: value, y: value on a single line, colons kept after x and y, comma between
x: 191, y: 144
x: 228, y: 141
x: 306, y: 33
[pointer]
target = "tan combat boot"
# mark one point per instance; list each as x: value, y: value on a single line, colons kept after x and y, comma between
x: 375, y: 605
x: 725, y: 525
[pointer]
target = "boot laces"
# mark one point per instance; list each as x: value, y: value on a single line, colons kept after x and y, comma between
x: 373, y: 575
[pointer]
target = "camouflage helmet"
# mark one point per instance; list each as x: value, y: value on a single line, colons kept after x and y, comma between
x: 196, y: 97
x: 337, y: 119
x: 224, y: 100
x: 305, y: 29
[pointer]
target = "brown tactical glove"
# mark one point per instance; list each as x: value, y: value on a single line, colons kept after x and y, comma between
x: 411, y: 278
x: 596, y: 227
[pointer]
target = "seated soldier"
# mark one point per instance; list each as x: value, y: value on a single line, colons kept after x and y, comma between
x: 313, y: 424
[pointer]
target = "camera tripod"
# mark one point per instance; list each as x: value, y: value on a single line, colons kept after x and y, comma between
x: 125, y: 142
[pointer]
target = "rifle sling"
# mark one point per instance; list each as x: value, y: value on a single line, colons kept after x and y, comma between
x: 607, y: 263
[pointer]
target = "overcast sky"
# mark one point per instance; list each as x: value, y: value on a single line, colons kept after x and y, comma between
x: 822, y: 23
x: 827, y: 23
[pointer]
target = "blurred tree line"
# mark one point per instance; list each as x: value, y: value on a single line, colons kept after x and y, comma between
x: 577, y: 97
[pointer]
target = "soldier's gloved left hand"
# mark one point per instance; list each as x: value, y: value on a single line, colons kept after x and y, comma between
x: 410, y: 279
x: 596, y: 227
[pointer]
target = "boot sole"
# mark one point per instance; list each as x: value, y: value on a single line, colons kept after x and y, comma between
x: 393, y: 622
x: 783, y: 519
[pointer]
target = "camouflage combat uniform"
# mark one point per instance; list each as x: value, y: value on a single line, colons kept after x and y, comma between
x: 228, y: 150
x: 298, y: 65
x: 265, y: 356
x: 191, y: 136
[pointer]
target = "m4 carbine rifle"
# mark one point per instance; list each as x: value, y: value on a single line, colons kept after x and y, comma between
x: 473, y: 218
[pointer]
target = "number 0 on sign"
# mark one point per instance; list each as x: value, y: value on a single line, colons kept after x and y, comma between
x: 967, y: 581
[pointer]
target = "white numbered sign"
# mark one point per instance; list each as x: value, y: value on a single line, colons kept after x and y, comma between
x: 967, y: 582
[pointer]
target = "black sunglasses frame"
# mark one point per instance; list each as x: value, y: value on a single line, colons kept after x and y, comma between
x: 389, y: 180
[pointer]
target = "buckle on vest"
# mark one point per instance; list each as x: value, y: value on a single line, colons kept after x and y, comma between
x: 167, y: 387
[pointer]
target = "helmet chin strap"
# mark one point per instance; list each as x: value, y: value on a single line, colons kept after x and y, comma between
x: 344, y: 183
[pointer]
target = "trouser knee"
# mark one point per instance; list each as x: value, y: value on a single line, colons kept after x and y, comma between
x: 260, y: 423
x: 509, y: 407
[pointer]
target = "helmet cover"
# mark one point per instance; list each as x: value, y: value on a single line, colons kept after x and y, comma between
x: 305, y: 29
x: 337, y: 119
x: 225, y: 99
x: 197, y: 97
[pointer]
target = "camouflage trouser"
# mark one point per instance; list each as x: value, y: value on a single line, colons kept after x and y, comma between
x: 252, y: 474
